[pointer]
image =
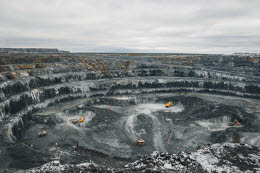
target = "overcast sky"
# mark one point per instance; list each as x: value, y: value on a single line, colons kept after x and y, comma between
x: 190, y: 26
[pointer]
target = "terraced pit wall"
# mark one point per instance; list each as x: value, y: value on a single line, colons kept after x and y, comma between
x: 32, y: 82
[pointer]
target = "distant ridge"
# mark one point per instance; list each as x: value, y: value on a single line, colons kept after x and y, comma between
x: 30, y: 50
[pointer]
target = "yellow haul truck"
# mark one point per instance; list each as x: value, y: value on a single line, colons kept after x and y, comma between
x: 140, y: 142
x: 169, y: 104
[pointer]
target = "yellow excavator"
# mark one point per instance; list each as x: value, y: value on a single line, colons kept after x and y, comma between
x: 169, y: 104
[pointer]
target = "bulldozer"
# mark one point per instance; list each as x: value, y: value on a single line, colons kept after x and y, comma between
x: 140, y: 142
x: 169, y: 104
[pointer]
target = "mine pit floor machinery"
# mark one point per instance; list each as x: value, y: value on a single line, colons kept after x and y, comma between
x: 80, y: 120
x: 169, y: 104
x: 43, y: 133
x: 235, y: 123
x: 140, y: 142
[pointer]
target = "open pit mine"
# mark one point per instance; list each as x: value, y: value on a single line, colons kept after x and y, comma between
x: 129, y: 113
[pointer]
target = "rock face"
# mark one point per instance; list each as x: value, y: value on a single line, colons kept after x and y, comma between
x: 226, y: 157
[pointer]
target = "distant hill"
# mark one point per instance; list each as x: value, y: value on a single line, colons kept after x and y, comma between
x: 30, y: 50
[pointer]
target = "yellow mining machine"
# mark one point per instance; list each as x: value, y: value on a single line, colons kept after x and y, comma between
x: 140, y: 142
x: 80, y: 120
x: 169, y: 104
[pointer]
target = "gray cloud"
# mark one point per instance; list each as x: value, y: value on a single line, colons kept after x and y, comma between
x: 201, y: 26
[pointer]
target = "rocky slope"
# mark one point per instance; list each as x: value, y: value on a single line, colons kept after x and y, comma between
x: 219, y: 158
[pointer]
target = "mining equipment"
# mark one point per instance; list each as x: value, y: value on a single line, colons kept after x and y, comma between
x: 43, y: 133
x: 140, y: 142
x: 77, y: 146
x: 169, y: 104
x: 81, y: 119
x: 235, y: 123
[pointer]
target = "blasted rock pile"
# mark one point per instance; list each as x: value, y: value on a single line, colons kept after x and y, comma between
x: 164, y: 162
x: 55, y: 166
x: 226, y: 157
